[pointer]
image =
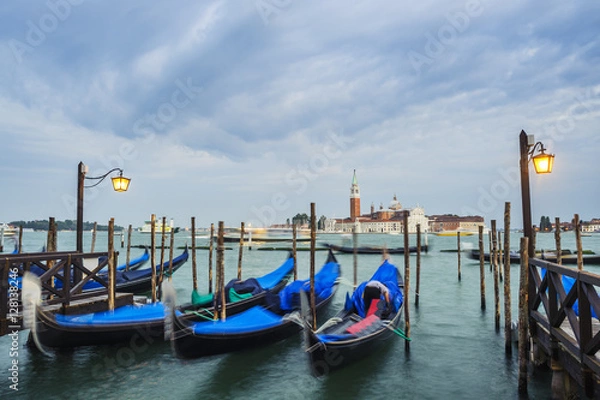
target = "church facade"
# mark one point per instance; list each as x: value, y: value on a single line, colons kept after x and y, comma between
x: 383, y: 220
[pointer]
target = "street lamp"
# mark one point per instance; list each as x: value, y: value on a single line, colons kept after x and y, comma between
x: 120, y: 184
x: 543, y: 164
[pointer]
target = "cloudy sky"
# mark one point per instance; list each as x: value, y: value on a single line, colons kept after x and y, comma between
x: 249, y: 111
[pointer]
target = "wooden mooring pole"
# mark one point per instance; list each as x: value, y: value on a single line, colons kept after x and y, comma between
x: 194, y: 270
x: 418, y: 284
x: 495, y: 275
x: 578, y: 243
x: 94, y: 233
x: 239, y: 271
x: 481, y: 267
x: 128, y: 253
x: 294, y: 250
x: 20, y: 246
x: 557, y: 241
x: 210, y: 257
x: 406, y: 281
x: 171, y: 249
x: 112, y: 268
x: 313, y: 239
x: 523, y: 316
x: 221, y: 268
x: 152, y: 256
x: 507, y: 294
x: 162, y: 254
x: 355, y: 257
x: 458, y: 255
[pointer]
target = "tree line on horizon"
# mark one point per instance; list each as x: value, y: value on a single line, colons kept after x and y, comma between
x: 66, y: 225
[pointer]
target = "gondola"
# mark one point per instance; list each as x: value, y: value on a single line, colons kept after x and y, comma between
x: 515, y: 258
x: 374, y: 249
x: 367, y: 320
x: 138, y: 281
x: 136, y: 324
x: 242, y: 295
x: 275, y: 320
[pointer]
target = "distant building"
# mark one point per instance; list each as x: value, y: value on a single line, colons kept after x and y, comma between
x: 591, y: 226
x: 450, y: 222
x: 383, y: 220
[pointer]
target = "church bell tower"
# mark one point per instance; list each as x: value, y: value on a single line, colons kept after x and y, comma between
x: 354, y: 199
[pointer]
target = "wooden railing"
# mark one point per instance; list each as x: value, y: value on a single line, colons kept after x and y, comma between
x: 58, y: 266
x: 564, y: 320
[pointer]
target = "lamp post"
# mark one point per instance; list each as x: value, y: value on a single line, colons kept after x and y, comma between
x: 543, y: 164
x: 120, y: 184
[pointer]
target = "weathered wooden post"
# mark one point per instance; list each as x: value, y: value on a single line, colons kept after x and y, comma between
x: 122, y: 239
x: 406, y: 281
x: 495, y: 274
x: 499, y: 256
x: 171, y: 249
x: 500, y: 250
x: 20, y: 248
x: 239, y: 271
x: 578, y: 243
x: 294, y: 249
x: 355, y: 257
x: 507, y: 294
x: 481, y: 267
x: 210, y: 257
x: 557, y: 240
x: 162, y: 253
x: 523, y: 316
x: 221, y: 268
x: 490, y: 236
x: 194, y: 271
x: 313, y: 239
x: 458, y: 254
x: 152, y: 256
x: 128, y: 253
x: 418, y: 285
x: 51, y: 247
x: 94, y: 233
x: 112, y: 268
x: 1, y: 239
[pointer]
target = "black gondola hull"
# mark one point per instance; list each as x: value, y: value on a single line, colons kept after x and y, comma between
x: 326, y: 358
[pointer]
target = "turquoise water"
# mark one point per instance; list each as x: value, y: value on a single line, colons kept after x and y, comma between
x: 455, y: 352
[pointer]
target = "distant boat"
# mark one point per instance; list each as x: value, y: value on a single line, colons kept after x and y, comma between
x: 374, y: 249
x: 453, y: 233
x: 8, y: 230
x: 158, y: 227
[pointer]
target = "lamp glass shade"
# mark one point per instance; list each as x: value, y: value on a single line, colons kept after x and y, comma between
x: 543, y: 163
x: 120, y: 183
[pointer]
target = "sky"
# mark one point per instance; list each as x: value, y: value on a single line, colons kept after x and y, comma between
x: 249, y: 111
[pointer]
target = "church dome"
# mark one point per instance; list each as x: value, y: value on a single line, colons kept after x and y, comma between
x: 395, y: 204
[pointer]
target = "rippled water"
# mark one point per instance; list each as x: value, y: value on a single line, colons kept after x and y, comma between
x: 455, y: 352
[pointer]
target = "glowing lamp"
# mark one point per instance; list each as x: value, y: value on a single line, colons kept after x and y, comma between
x: 543, y: 163
x: 121, y: 184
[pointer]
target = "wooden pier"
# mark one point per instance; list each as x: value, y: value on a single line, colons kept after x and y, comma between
x: 564, y: 326
x: 60, y: 266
